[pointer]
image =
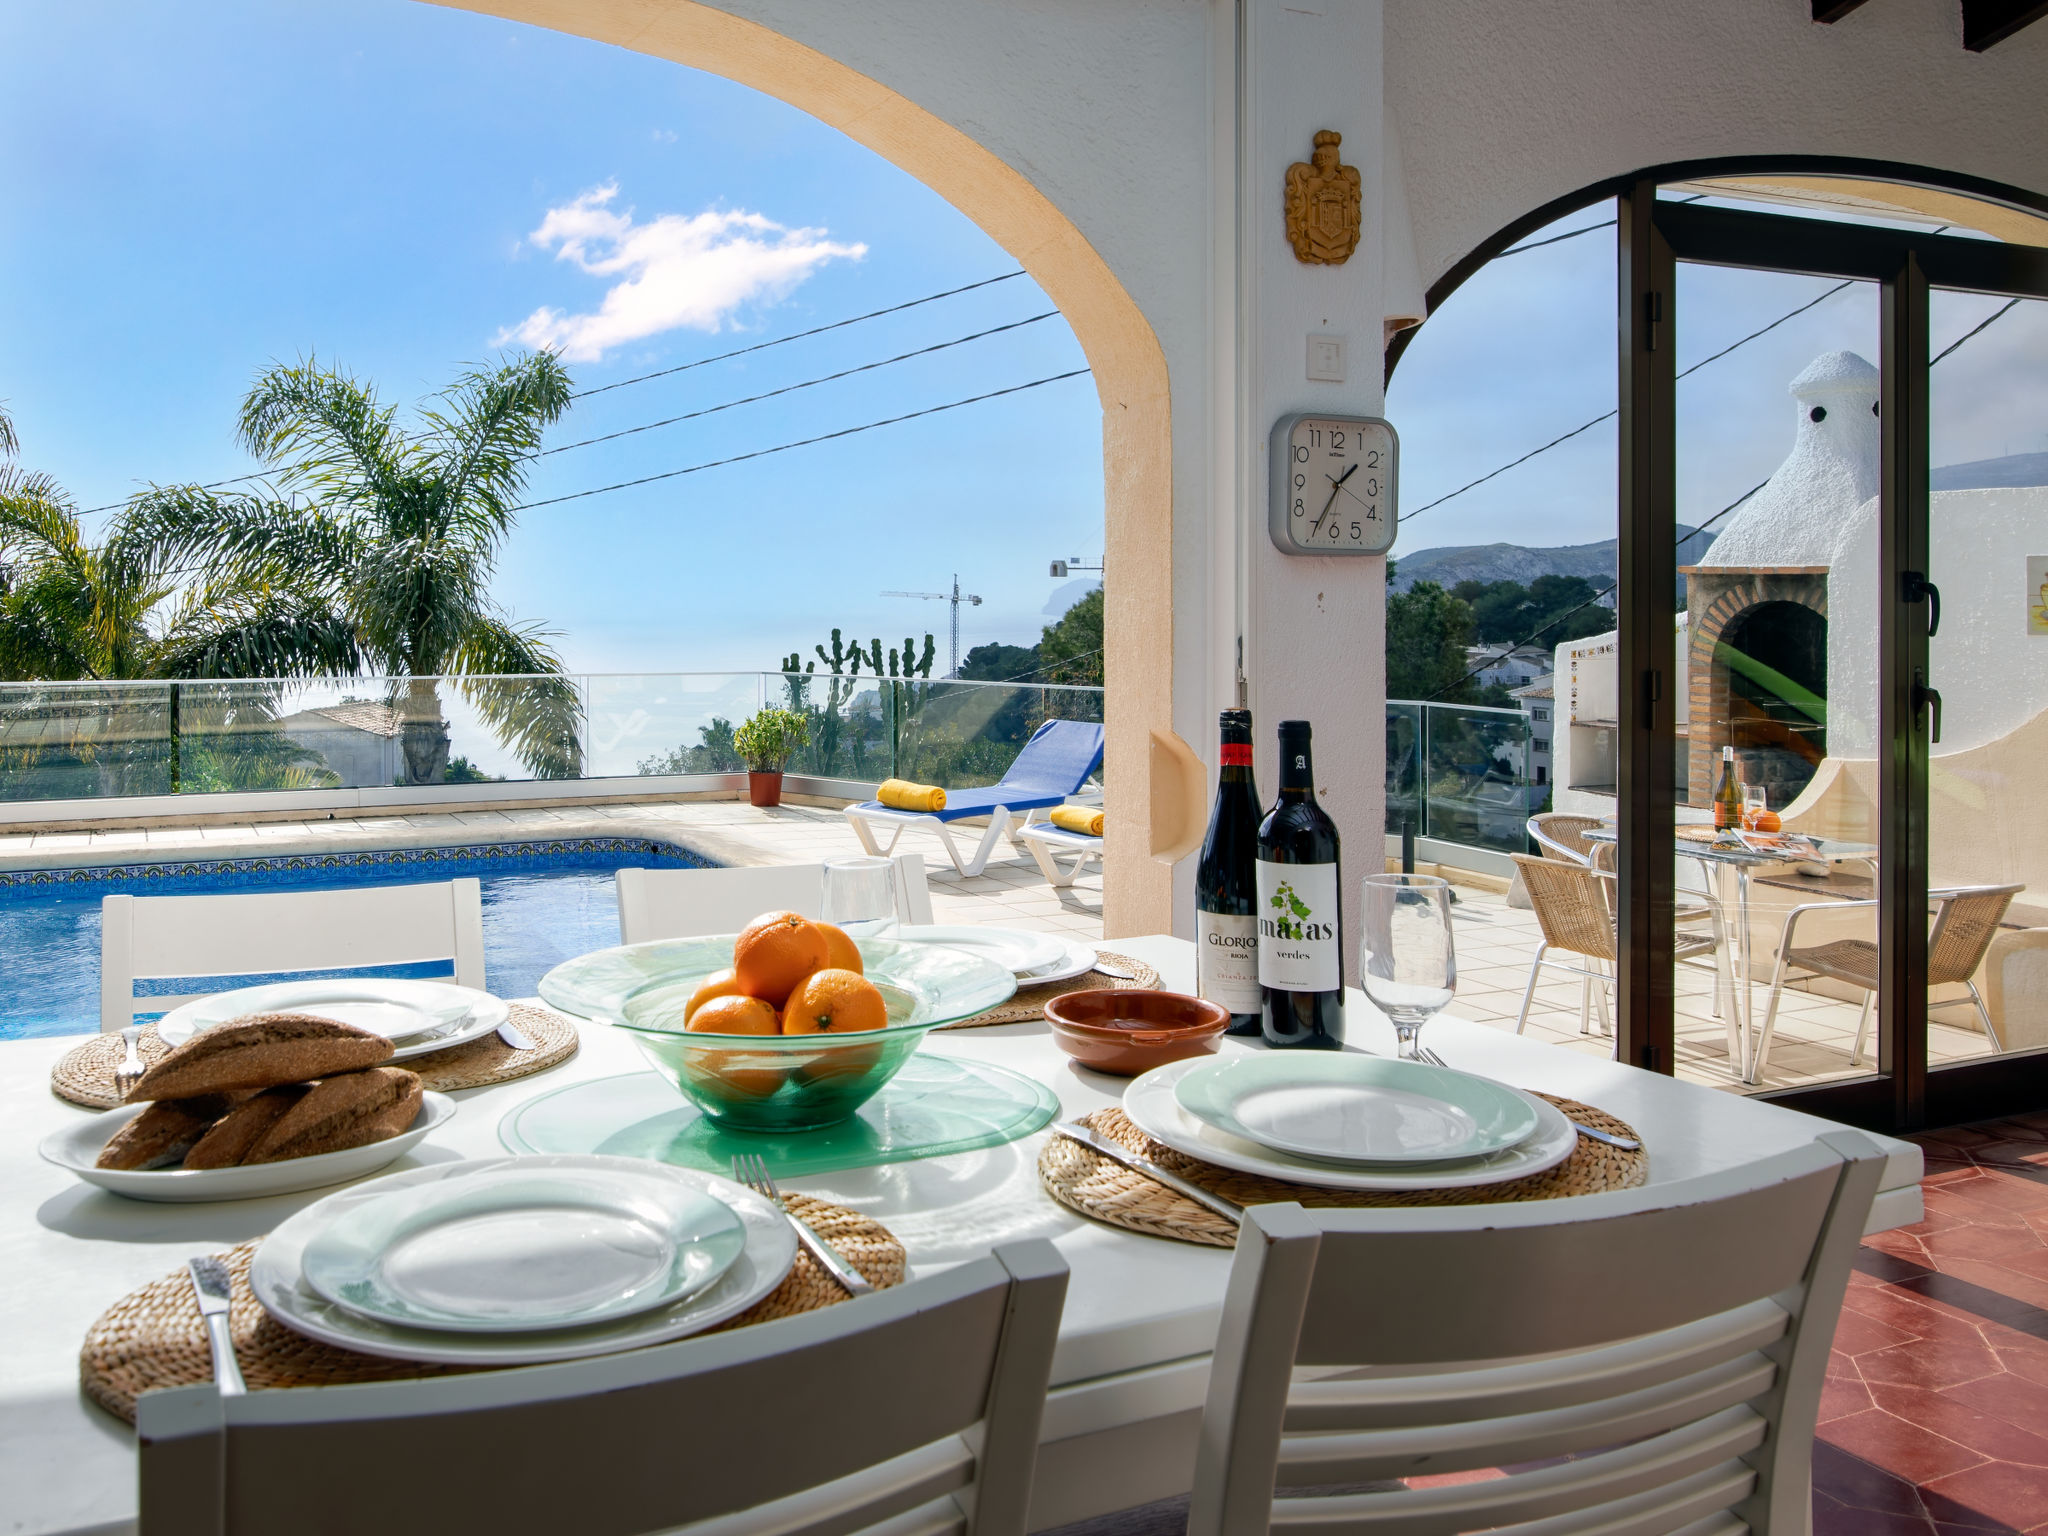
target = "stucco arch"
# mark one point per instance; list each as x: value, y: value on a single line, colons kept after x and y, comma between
x: 1128, y: 363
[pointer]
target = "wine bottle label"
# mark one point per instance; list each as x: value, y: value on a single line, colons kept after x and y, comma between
x: 1227, y: 961
x: 1236, y: 754
x: 1300, y: 948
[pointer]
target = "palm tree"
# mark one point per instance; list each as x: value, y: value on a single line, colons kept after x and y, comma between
x: 399, y: 530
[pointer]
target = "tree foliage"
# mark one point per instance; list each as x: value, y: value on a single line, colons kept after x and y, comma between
x: 1427, y: 632
x: 1552, y: 608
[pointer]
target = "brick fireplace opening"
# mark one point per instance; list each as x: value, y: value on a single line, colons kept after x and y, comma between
x: 1758, y: 676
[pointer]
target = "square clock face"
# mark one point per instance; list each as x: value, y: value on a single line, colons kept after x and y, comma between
x: 1333, y: 484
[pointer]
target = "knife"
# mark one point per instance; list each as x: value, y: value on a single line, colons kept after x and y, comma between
x: 211, y: 1284
x: 514, y: 1036
x: 1095, y: 1141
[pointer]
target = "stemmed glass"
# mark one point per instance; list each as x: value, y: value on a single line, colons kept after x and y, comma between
x: 860, y: 896
x: 1407, y: 964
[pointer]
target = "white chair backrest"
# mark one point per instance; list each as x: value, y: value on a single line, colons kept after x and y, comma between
x: 1682, y: 1331
x: 258, y: 932
x: 828, y: 1422
x: 683, y: 903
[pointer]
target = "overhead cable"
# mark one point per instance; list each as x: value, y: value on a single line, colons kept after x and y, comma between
x: 844, y: 373
x: 761, y: 453
x: 1972, y: 331
x: 762, y: 346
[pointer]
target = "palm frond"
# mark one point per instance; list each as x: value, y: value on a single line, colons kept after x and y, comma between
x: 323, y: 426
x: 38, y: 523
x: 232, y: 632
x: 238, y: 536
x: 512, y: 677
x: 486, y: 440
x: 45, y: 629
x: 10, y: 445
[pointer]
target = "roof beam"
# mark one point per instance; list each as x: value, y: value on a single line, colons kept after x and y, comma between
x: 1987, y: 23
x: 1829, y: 11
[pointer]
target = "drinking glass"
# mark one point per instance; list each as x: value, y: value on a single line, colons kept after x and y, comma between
x: 860, y: 896
x: 1407, y: 964
x: 1755, y: 801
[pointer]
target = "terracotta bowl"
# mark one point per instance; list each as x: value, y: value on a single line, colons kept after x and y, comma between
x: 1125, y: 1032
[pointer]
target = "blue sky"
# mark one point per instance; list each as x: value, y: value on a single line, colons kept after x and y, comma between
x: 193, y: 191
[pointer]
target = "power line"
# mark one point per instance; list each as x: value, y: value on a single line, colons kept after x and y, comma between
x: 1764, y: 330
x: 761, y: 453
x: 1573, y: 234
x: 711, y: 410
x: 1973, y: 330
x: 211, y: 485
x: 762, y: 346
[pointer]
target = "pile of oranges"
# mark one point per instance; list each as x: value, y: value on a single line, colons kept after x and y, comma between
x: 789, y: 976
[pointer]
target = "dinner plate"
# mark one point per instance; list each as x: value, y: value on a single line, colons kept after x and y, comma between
x: 1150, y: 1104
x: 514, y: 1251
x: 419, y: 1017
x: 1344, y: 1108
x: 277, y: 1276
x: 1024, y: 953
x: 1078, y: 960
x: 75, y: 1147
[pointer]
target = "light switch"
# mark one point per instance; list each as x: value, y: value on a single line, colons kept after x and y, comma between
x: 1326, y: 359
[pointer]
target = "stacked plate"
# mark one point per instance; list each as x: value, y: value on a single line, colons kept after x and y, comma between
x: 517, y: 1260
x: 1033, y: 958
x: 418, y: 1017
x: 1347, y: 1121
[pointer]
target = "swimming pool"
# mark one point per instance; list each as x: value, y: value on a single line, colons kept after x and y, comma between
x: 544, y: 902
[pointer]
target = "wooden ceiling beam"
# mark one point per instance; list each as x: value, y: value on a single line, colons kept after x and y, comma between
x: 1986, y: 23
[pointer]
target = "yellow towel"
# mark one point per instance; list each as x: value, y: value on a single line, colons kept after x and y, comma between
x: 1078, y: 818
x: 902, y: 795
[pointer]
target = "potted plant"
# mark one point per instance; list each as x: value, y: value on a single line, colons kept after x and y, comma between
x: 767, y: 742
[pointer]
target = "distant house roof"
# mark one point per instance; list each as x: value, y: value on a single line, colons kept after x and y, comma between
x: 1544, y: 687
x: 360, y: 715
x: 2015, y: 469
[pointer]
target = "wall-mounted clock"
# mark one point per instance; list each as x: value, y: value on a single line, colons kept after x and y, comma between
x: 1333, y: 484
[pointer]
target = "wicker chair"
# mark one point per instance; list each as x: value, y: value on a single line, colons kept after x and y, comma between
x: 1562, y: 836
x: 1966, y: 919
x: 1574, y: 907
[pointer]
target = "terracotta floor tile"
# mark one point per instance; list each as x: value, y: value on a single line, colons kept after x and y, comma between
x: 1944, y: 1414
x: 1850, y: 1482
x: 2006, y: 1396
x: 2016, y: 1495
x: 1842, y: 1396
x: 1905, y: 1450
x: 1857, y: 1335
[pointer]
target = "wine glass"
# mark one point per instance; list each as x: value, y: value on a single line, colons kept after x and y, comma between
x: 1407, y: 964
x: 1755, y: 801
x: 860, y: 896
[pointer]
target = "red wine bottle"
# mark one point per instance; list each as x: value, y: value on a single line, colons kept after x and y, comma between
x: 1226, y: 884
x: 1301, y: 916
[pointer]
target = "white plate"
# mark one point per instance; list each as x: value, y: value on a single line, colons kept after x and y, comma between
x: 519, y: 1250
x: 1023, y: 952
x: 277, y: 1279
x: 1150, y: 1104
x: 75, y: 1147
x: 420, y: 1017
x: 1077, y: 961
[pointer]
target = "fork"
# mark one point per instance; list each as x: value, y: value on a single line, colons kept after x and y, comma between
x: 132, y: 1065
x: 751, y: 1169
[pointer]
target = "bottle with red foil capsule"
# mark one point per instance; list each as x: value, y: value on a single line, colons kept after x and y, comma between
x: 1226, y: 884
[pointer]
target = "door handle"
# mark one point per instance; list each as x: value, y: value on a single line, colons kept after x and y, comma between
x: 1913, y: 586
x: 1928, y: 699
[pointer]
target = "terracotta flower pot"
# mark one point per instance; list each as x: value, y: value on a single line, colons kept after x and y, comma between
x: 764, y: 789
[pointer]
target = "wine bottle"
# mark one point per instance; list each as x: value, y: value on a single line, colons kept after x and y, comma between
x: 1301, y: 917
x: 1226, y: 884
x: 1728, y: 795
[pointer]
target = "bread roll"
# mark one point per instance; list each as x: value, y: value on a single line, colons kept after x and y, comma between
x: 162, y: 1133
x: 263, y: 1050
x: 351, y: 1110
x: 227, y: 1142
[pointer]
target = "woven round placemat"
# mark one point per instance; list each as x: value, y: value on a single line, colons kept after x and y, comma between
x: 85, y: 1074
x: 1095, y: 1186
x: 154, y: 1337
x: 1029, y: 1002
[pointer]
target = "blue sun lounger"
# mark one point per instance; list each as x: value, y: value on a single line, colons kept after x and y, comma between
x: 1054, y: 764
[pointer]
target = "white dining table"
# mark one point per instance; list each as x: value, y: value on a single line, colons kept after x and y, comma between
x: 1141, y: 1312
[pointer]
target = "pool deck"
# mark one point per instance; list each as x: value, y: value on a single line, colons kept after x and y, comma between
x: 1010, y: 891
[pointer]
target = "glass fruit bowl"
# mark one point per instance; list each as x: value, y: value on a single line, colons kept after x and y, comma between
x: 773, y: 1082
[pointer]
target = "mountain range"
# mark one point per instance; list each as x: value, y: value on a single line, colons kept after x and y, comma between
x: 1598, y: 563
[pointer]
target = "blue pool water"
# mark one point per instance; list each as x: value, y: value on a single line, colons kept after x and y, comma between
x: 544, y: 902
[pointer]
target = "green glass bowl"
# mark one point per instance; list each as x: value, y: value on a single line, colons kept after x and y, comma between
x: 774, y: 1082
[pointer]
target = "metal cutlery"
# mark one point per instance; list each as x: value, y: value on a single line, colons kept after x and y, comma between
x: 212, y: 1285
x: 751, y: 1169
x: 1625, y: 1143
x: 1096, y: 1142
x: 514, y: 1036
x: 132, y: 1065
x: 1107, y: 969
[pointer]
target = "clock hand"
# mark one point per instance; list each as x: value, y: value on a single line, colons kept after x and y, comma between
x: 1336, y: 485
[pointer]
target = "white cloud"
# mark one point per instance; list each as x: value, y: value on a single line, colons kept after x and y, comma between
x: 663, y: 135
x: 673, y: 271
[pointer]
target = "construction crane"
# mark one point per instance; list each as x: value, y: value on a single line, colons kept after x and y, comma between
x: 956, y: 597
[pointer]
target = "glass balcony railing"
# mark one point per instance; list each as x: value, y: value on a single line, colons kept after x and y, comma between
x: 1463, y: 773
x: 66, y: 741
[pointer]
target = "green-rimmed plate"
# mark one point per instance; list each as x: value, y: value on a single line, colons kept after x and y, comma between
x: 1366, y: 1110
x: 517, y: 1249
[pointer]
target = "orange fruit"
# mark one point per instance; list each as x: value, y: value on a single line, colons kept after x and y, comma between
x: 733, y: 1016
x: 724, y: 1074
x: 774, y: 952
x: 1769, y: 821
x: 836, y: 1002
x: 717, y: 984
x: 843, y: 1061
x: 841, y: 953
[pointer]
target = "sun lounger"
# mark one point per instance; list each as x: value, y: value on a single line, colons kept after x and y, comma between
x: 1045, y: 840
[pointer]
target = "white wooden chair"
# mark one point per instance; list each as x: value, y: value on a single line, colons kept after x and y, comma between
x: 914, y: 1411
x: 683, y: 903
x: 252, y: 933
x: 1657, y: 1354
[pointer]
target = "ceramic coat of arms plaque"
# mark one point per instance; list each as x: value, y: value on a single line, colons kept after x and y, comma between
x: 1322, y: 204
